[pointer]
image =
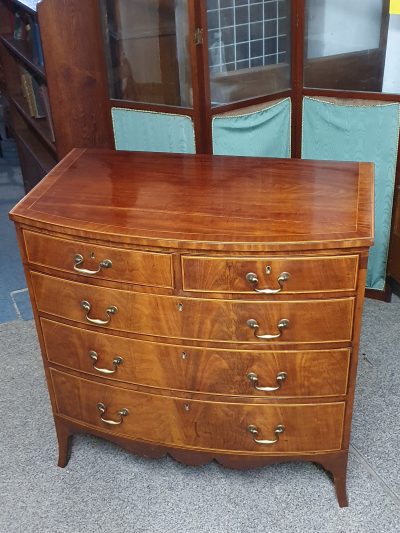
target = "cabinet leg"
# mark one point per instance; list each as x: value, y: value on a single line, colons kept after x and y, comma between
x: 337, y: 466
x: 340, y: 487
x: 64, y: 438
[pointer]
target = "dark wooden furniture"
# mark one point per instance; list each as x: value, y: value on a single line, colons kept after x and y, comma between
x: 205, y: 307
x: 72, y: 73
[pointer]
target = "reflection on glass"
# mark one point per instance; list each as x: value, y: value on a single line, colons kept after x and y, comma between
x: 352, y: 46
x: 249, y: 48
x: 147, y: 48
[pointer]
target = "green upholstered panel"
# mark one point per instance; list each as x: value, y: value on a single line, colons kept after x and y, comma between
x: 149, y: 131
x: 263, y: 133
x: 353, y: 132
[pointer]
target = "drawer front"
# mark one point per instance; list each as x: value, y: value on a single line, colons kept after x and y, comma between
x: 307, y: 373
x: 192, y: 318
x: 287, y: 275
x: 200, y: 424
x: 130, y: 266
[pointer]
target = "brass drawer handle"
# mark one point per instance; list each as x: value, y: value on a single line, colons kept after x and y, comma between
x: 284, y: 323
x: 254, y: 431
x: 116, y: 362
x: 253, y: 378
x: 112, y: 310
x: 107, y: 263
x: 253, y: 279
x: 122, y: 412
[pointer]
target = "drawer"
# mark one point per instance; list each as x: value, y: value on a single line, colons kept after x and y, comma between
x: 307, y: 373
x: 130, y: 266
x: 193, y: 318
x: 281, y: 274
x: 200, y: 424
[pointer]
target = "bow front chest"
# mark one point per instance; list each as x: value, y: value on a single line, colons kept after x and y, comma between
x: 205, y: 307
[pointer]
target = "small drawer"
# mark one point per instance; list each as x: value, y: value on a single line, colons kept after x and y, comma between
x: 102, y: 262
x: 186, y: 368
x: 258, y: 322
x: 269, y: 275
x: 198, y: 424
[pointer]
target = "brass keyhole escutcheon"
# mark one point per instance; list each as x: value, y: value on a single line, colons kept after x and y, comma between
x: 180, y: 307
x: 268, y: 270
x: 92, y: 255
x: 184, y: 355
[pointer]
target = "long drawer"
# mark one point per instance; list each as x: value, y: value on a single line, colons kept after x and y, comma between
x: 185, y: 368
x: 102, y: 262
x: 270, y: 275
x: 310, y: 321
x: 199, y: 424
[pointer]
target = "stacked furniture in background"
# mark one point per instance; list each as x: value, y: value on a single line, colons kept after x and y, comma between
x: 49, y: 76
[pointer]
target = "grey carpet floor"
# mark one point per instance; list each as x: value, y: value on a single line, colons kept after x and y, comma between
x: 105, y: 489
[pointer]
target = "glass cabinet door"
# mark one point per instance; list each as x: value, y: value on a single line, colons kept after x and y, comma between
x: 147, y: 48
x: 249, y: 48
x: 352, y: 46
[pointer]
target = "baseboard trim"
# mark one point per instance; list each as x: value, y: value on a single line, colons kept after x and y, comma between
x: 395, y: 285
x: 384, y: 296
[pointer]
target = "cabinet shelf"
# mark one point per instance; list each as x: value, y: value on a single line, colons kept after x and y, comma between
x: 44, y: 159
x: 20, y: 50
x: 40, y: 125
x: 66, y: 36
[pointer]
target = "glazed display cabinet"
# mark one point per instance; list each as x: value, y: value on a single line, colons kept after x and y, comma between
x: 273, y: 78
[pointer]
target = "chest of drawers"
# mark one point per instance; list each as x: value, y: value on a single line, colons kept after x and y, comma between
x: 208, y: 308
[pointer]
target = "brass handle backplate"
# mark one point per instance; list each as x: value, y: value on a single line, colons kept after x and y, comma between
x: 116, y: 362
x: 121, y: 413
x: 254, y: 431
x: 282, y: 324
x: 106, y: 263
x: 253, y: 280
x: 112, y: 310
x: 253, y: 378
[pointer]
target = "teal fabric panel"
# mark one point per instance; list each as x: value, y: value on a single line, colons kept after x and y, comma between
x: 148, y: 131
x: 359, y: 133
x: 264, y: 133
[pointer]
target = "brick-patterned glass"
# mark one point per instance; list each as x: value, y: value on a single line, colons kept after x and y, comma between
x: 250, y: 38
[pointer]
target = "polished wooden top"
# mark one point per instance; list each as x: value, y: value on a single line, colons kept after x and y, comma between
x: 205, y: 202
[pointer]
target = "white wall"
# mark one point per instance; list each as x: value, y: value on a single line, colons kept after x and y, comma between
x: 341, y: 26
x: 315, y: 27
x: 391, y: 80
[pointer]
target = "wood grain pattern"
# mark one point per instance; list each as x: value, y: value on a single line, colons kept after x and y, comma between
x: 78, y: 89
x: 334, y: 462
x: 307, y: 274
x: 186, y: 368
x: 130, y: 266
x: 186, y: 353
x: 285, y: 205
x: 202, y: 425
x: 217, y: 320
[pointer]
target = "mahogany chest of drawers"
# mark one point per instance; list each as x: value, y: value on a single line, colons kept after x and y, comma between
x: 205, y: 307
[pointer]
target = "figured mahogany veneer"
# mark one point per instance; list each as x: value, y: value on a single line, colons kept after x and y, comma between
x: 144, y: 271
x: 207, y: 370
x: 219, y: 425
x: 310, y: 321
x: 129, y: 266
x: 307, y: 274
